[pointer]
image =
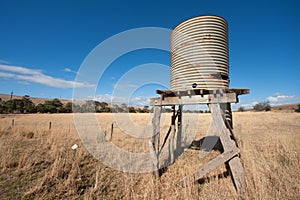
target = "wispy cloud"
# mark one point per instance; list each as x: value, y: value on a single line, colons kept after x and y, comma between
x: 4, y: 62
x: 37, y: 76
x: 280, y: 98
x: 244, y: 104
x: 124, y: 86
x: 139, y: 101
x: 20, y: 70
x: 69, y: 70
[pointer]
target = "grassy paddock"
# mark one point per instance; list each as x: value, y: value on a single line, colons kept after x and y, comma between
x: 36, y: 162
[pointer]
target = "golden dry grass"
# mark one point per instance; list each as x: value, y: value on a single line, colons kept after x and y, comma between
x: 39, y: 163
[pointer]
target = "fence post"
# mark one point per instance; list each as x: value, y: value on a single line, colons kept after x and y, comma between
x: 111, y: 131
x: 49, y: 125
x: 12, y: 122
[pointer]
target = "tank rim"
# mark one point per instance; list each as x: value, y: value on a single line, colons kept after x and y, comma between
x: 200, y: 16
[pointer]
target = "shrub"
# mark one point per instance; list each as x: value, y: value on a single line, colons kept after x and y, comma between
x: 262, y: 106
x: 241, y: 109
x: 298, y: 109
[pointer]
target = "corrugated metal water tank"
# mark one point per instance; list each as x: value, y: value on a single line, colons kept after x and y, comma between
x: 199, y: 54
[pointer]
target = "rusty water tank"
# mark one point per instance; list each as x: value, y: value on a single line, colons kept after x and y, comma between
x: 199, y: 54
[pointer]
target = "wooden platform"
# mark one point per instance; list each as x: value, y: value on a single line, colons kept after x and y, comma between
x: 197, y: 96
x: 172, y: 93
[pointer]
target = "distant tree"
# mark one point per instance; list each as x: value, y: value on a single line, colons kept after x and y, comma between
x: 107, y: 110
x: 89, y: 106
x: 13, y: 106
x: 97, y: 106
x: 1, y: 107
x: 57, y: 103
x: 118, y: 109
x: 124, y: 107
x: 262, y: 106
x: 131, y: 109
x: 241, y: 109
x: 24, y: 105
x: 298, y: 109
x: 40, y: 108
x: 19, y: 105
x: 104, y: 107
x: 49, y: 107
x: 76, y: 108
x: 68, y: 107
x: 53, y: 106
x: 28, y: 105
x: 146, y: 109
x: 103, y: 104
x: 4, y: 107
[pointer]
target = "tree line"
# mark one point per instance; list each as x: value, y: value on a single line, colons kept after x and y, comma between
x: 265, y: 106
x: 25, y: 105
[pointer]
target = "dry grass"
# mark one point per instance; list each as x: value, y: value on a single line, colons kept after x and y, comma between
x: 39, y: 163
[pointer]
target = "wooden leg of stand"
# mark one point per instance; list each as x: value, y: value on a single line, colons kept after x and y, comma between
x: 154, y: 144
x: 179, y: 131
x: 235, y: 165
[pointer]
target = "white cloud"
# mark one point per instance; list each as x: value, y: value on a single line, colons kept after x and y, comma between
x: 139, y: 101
x: 69, y: 70
x: 6, y: 75
x: 36, y: 76
x: 280, y: 98
x: 244, y: 104
x: 124, y: 86
x: 20, y: 70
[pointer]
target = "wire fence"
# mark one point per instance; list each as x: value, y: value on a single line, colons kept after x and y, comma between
x: 35, y: 124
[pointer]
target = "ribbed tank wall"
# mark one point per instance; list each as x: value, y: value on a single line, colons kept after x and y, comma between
x: 199, y: 54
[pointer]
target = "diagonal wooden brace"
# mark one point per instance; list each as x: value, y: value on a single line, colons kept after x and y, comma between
x: 211, y: 165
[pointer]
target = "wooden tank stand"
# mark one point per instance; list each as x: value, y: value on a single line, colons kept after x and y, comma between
x: 219, y: 105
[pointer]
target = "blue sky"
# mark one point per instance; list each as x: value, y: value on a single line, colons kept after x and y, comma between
x: 44, y: 43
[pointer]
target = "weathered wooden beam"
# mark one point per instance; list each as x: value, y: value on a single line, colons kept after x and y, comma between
x: 154, y: 160
x: 235, y: 165
x: 211, y: 165
x: 219, y: 123
x: 154, y: 147
x: 179, y: 131
x: 238, y: 174
x: 238, y: 91
x: 194, y: 99
x: 173, y: 131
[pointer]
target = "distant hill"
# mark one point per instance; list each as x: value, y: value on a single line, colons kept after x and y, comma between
x: 35, y: 100
x: 285, y: 107
x: 279, y: 108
